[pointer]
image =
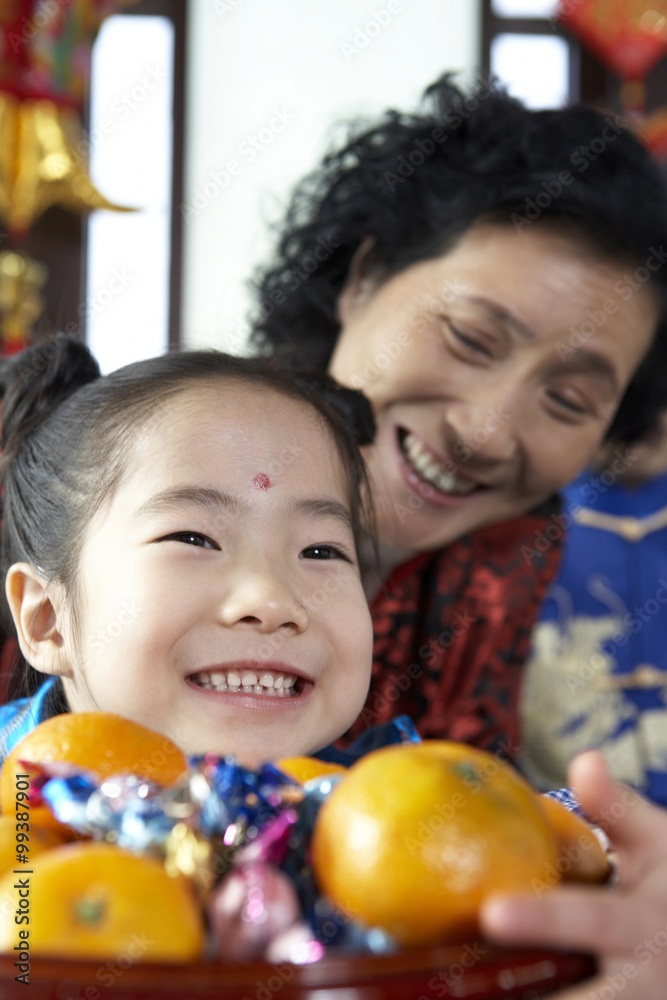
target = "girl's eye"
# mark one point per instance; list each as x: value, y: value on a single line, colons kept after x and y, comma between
x: 191, y: 538
x: 323, y: 552
x: 471, y: 344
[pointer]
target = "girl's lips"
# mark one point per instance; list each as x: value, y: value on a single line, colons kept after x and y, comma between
x: 427, y: 491
x: 255, y: 702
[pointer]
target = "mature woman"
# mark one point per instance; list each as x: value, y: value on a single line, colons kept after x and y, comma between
x: 494, y: 280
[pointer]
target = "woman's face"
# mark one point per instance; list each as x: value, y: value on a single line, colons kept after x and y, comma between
x: 494, y: 372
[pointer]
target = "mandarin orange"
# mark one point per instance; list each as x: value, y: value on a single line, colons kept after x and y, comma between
x: 413, y: 838
x: 93, y: 900
x: 303, y: 769
x: 581, y: 857
x: 100, y: 741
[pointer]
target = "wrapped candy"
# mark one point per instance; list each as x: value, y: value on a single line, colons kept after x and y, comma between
x: 250, y: 909
x: 242, y: 837
x: 218, y: 799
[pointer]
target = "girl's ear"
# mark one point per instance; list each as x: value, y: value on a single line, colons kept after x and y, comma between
x: 36, y: 608
x: 360, y: 283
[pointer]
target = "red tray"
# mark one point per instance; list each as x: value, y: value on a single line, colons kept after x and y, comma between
x: 472, y: 970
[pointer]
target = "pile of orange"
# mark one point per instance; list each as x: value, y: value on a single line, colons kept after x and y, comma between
x: 91, y: 900
x: 415, y: 837
x: 411, y: 839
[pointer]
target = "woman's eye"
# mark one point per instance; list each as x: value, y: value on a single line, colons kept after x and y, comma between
x: 568, y: 404
x: 323, y: 552
x: 471, y: 344
x: 190, y: 538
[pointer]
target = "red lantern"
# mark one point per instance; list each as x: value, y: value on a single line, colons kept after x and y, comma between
x: 628, y: 36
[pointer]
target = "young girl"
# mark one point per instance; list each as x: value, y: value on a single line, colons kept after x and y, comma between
x: 181, y: 543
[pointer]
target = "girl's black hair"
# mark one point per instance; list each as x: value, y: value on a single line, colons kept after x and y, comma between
x: 415, y: 183
x: 67, y: 436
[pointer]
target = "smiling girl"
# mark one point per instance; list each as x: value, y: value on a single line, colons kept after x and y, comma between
x: 180, y: 543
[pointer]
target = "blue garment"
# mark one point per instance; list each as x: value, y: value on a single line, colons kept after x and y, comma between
x: 20, y: 717
x: 597, y: 676
x: 399, y: 730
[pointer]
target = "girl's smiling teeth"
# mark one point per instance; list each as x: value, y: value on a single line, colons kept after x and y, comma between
x: 428, y: 468
x: 267, y: 682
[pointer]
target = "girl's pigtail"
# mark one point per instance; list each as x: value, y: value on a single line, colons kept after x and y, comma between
x: 34, y: 382
x: 351, y: 404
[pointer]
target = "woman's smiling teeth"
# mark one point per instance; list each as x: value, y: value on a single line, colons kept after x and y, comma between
x: 431, y: 471
x: 247, y: 681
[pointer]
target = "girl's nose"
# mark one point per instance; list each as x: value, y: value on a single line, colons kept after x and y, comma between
x: 484, y: 430
x: 262, y: 599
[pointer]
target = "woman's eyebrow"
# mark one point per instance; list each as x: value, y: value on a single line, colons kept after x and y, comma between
x: 211, y: 501
x: 589, y: 362
x: 501, y: 314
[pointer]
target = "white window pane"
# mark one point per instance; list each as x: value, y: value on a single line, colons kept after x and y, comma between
x: 524, y: 8
x: 127, y: 304
x: 534, y: 68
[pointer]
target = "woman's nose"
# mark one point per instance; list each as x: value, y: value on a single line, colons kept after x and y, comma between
x: 262, y: 598
x: 483, y: 430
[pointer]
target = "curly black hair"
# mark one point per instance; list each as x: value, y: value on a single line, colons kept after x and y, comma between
x: 415, y: 183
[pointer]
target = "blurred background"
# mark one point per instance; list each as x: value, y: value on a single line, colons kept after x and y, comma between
x: 203, y: 114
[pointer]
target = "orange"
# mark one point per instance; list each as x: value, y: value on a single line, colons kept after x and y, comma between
x: 414, y: 837
x: 580, y: 855
x: 39, y: 839
x: 90, y: 900
x: 104, y: 743
x: 303, y: 769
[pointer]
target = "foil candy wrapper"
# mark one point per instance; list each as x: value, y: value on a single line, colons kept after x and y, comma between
x: 196, y: 824
x: 242, y: 837
x: 253, y: 908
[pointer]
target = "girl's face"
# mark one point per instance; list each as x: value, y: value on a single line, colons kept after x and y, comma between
x: 494, y: 372
x: 219, y: 593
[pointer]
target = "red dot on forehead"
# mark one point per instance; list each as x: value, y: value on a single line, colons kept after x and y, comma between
x: 262, y: 481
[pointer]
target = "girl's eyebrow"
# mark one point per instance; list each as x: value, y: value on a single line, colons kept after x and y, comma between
x: 212, y: 501
x: 324, y: 509
x: 198, y: 497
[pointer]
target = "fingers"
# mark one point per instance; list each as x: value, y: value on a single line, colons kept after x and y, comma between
x: 587, y: 991
x: 591, y: 989
x: 581, y: 919
x: 637, y: 829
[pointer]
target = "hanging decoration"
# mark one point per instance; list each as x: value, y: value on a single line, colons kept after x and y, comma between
x: 45, y: 53
x: 45, y: 49
x: 21, y: 282
x: 627, y: 36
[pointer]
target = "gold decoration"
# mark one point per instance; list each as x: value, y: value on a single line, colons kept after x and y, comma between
x: 642, y: 678
x: 40, y: 165
x: 632, y: 529
x: 21, y: 281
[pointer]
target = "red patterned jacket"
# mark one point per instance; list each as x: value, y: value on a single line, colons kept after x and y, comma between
x: 452, y: 631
